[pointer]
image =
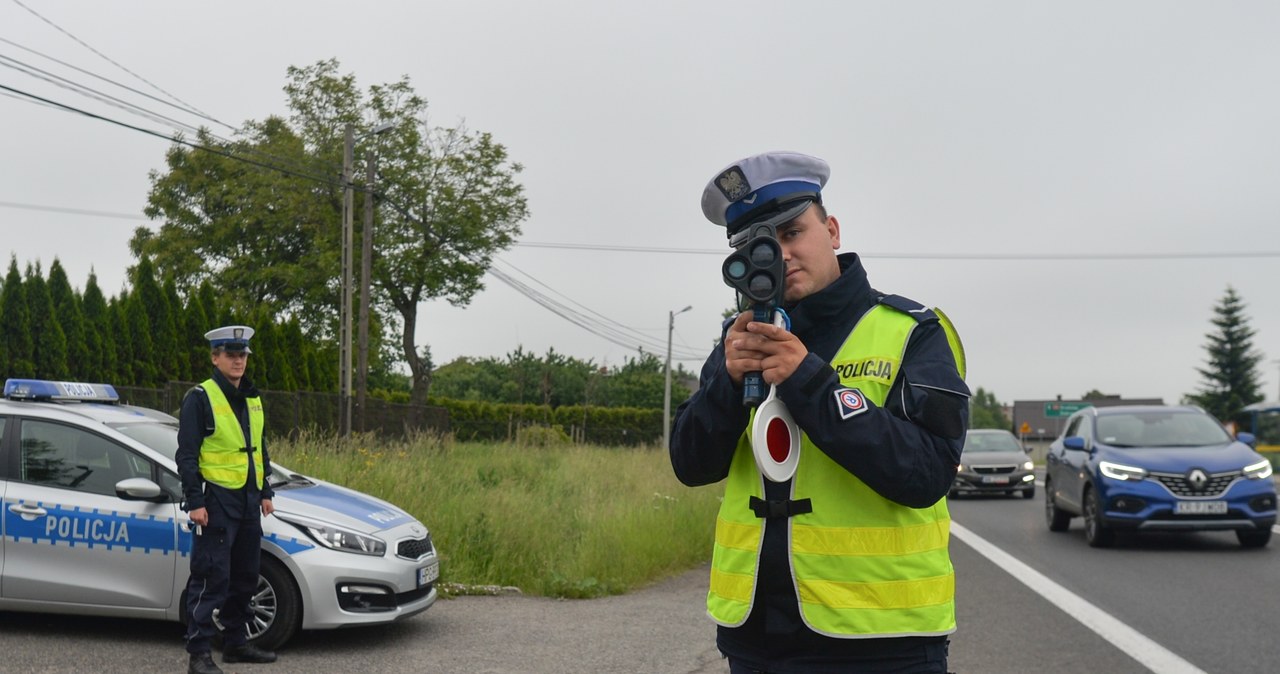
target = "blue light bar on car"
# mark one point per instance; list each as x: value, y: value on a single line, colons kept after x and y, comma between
x: 39, y: 389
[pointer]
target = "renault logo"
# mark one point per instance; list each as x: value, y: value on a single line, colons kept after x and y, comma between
x: 1198, y: 479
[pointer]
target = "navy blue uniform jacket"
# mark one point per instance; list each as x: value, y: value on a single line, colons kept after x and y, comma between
x: 907, y: 451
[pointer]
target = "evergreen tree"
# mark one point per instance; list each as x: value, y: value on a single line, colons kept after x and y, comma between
x: 19, y: 346
x: 121, y: 345
x: 97, y: 333
x: 66, y: 307
x: 196, y: 322
x: 180, y: 348
x: 49, y: 343
x: 1230, y: 380
x: 142, y: 348
x: 161, y: 336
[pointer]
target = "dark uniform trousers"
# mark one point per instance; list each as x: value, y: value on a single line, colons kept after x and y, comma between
x: 930, y: 659
x: 224, y: 545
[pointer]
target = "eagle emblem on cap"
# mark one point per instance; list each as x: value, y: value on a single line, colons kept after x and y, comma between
x: 733, y: 184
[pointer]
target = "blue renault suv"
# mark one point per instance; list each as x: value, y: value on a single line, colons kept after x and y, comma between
x: 1157, y: 468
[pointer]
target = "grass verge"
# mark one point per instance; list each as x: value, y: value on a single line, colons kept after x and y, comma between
x: 560, y: 520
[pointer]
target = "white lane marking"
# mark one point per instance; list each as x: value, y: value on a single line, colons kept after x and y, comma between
x: 1155, y: 657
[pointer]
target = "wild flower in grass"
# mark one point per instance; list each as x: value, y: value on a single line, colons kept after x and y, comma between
x: 662, y: 500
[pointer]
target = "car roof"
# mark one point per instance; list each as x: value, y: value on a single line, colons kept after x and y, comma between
x: 103, y: 413
x: 1131, y: 409
x: 988, y: 431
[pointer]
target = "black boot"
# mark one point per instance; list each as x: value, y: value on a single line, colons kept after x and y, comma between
x: 201, y: 663
x: 247, y: 653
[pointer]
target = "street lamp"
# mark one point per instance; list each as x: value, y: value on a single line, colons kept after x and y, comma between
x: 348, y: 236
x: 666, y: 390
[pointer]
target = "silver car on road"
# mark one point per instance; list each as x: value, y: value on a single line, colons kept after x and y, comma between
x: 91, y: 525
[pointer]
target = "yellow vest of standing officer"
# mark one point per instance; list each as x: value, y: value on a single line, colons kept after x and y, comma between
x: 862, y: 565
x: 222, y: 459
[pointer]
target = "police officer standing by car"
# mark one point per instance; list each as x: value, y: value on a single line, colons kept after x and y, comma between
x: 842, y: 565
x: 224, y: 468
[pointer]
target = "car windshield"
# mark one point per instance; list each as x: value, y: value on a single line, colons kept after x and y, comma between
x: 161, y: 437
x: 991, y: 442
x: 1161, y: 428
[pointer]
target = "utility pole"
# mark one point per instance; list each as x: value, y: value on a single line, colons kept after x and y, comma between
x: 366, y: 276
x: 344, y: 327
x: 666, y: 390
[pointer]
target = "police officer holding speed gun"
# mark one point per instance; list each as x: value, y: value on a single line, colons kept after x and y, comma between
x: 224, y: 468
x: 836, y: 414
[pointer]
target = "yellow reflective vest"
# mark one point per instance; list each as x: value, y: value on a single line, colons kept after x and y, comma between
x: 862, y: 566
x: 222, y: 460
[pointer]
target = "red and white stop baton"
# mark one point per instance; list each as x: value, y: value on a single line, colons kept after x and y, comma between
x: 775, y: 438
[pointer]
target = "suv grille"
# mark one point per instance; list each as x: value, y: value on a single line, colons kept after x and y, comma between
x: 993, y: 470
x: 1180, y: 486
x: 414, y: 548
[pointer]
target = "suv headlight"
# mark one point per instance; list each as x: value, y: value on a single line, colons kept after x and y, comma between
x: 337, y: 538
x: 1258, y: 471
x: 1118, y: 471
x: 1027, y: 465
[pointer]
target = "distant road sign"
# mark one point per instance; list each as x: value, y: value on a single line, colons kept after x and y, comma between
x: 1026, y: 428
x: 1063, y: 409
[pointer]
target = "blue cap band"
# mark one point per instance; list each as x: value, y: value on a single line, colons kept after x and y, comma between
x: 766, y: 194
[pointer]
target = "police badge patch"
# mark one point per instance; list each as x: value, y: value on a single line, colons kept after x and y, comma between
x: 733, y: 184
x: 850, y: 402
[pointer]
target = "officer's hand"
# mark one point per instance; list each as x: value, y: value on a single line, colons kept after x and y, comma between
x: 267, y: 507
x: 752, y: 346
x: 739, y: 358
x: 199, y: 516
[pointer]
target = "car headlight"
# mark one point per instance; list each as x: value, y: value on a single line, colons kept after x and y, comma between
x: 960, y: 468
x: 1258, y: 471
x: 1118, y: 471
x: 1028, y: 465
x: 337, y: 538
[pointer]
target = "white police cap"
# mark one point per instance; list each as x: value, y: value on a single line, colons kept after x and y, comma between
x: 762, y: 183
x: 230, y: 338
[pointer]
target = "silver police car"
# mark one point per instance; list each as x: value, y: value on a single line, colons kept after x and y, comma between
x: 91, y: 525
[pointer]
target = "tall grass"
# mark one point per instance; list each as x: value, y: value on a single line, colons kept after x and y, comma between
x: 551, y: 518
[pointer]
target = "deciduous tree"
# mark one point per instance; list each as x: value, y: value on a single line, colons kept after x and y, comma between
x: 263, y: 225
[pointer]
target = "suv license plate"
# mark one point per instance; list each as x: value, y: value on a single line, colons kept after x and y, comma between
x: 991, y: 479
x: 1200, y: 507
x: 427, y: 574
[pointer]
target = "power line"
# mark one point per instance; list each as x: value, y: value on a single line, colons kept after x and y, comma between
x: 1007, y: 257
x: 118, y: 84
x: 173, y: 139
x: 101, y: 97
x: 105, y: 57
x: 132, y: 108
x: 72, y: 211
x: 1011, y: 257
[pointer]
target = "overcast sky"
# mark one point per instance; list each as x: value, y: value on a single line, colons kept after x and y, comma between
x: 1075, y: 183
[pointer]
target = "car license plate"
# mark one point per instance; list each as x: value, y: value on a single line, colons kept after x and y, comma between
x: 428, y: 574
x: 1200, y: 507
x: 994, y: 479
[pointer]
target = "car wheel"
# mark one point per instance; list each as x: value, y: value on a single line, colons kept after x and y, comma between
x: 1057, y: 518
x: 276, y: 606
x: 1029, y: 493
x: 1254, y: 539
x: 1096, y: 533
